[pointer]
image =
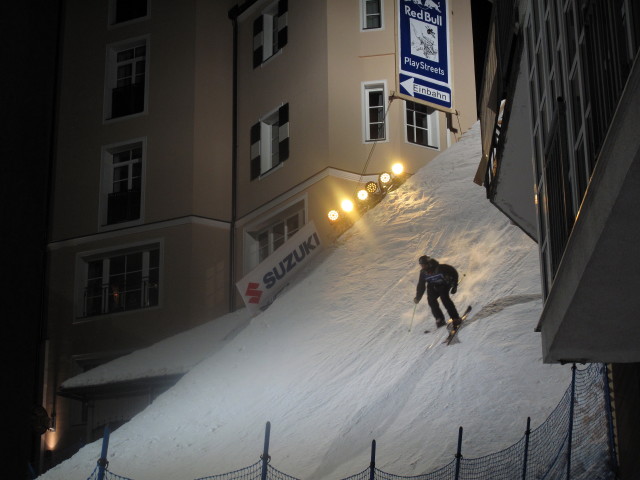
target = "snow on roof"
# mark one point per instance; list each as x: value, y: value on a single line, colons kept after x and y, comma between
x: 175, y: 355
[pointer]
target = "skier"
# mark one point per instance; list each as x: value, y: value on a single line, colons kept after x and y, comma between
x: 438, y: 280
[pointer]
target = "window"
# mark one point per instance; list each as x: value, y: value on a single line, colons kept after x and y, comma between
x: 573, y: 98
x: 374, y: 112
x: 422, y: 124
x: 122, y: 180
x: 121, y: 281
x: 125, y: 10
x: 270, y: 141
x: 270, y: 32
x: 263, y: 239
x: 126, y: 79
x: 371, y: 14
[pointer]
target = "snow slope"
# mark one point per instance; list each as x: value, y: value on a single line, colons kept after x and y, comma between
x: 332, y: 363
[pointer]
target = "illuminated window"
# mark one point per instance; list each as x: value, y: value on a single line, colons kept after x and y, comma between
x: 121, y: 281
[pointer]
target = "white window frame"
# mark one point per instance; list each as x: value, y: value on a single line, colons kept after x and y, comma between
x: 106, y: 181
x: 252, y: 233
x: 270, y: 31
x: 269, y: 130
x: 107, y: 255
x: 267, y: 135
x: 364, y: 15
x: 111, y: 75
x: 268, y: 38
x: 367, y: 89
x: 433, y: 127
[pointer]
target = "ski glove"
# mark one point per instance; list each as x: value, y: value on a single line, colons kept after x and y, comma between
x: 454, y: 289
x: 416, y: 300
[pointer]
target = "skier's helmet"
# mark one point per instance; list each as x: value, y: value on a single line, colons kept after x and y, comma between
x: 431, y: 264
x: 428, y: 263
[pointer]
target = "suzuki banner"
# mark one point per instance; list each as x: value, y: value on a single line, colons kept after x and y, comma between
x: 260, y: 286
x: 423, y: 53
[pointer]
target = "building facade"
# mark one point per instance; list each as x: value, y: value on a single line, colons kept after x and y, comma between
x: 193, y: 139
x: 567, y: 77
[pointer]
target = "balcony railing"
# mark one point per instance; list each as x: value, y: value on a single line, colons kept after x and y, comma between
x: 109, y: 299
x: 127, y: 100
x: 123, y: 206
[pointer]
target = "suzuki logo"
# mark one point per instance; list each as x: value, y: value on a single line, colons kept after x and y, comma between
x: 253, y: 292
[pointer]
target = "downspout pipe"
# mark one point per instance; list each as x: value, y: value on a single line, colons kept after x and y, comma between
x: 233, y: 14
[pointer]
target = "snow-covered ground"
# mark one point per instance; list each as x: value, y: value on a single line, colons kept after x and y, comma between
x: 332, y: 363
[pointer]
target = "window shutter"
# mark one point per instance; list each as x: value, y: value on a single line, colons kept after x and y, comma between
x: 255, y: 151
x: 283, y: 131
x: 258, y: 41
x: 283, y: 35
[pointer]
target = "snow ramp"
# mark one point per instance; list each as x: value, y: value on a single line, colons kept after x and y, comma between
x: 332, y: 363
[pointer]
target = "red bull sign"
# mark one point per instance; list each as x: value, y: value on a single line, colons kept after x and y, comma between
x: 260, y: 286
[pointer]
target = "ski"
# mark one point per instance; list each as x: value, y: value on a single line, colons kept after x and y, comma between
x: 454, y: 331
x: 448, y: 322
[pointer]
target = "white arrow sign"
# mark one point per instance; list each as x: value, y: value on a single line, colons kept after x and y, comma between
x: 408, y: 86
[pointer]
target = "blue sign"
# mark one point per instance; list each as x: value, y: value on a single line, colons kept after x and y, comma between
x: 424, y: 65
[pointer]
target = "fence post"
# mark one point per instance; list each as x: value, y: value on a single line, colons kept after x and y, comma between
x: 571, y: 409
x: 526, y: 448
x: 265, y: 453
x: 459, y: 454
x: 372, y: 465
x: 102, y: 461
x: 609, y: 409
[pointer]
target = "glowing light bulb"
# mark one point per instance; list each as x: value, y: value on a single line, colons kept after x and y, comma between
x: 347, y: 205
x: 333, y: 215
x: 385, y: 177
x: 363, y: 195
x: 397, y: 168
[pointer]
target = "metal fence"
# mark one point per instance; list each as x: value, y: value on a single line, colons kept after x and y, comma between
x: 574, y: 443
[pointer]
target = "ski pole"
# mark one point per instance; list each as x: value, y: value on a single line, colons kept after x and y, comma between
x: 414, y: 314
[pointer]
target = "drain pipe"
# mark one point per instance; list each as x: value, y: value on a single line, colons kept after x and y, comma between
x: 233, y: 15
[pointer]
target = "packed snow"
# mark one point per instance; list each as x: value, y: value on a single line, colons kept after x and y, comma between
x: 337, y: 360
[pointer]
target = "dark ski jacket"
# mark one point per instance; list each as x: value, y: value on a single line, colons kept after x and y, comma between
x: 443, y: 275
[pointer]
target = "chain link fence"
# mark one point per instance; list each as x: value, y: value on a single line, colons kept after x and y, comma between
x: 574, y: 443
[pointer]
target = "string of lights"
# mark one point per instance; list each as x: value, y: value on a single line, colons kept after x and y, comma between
x: 372, y: 192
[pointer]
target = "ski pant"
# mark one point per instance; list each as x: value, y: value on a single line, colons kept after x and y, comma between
x: 441, y: 291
